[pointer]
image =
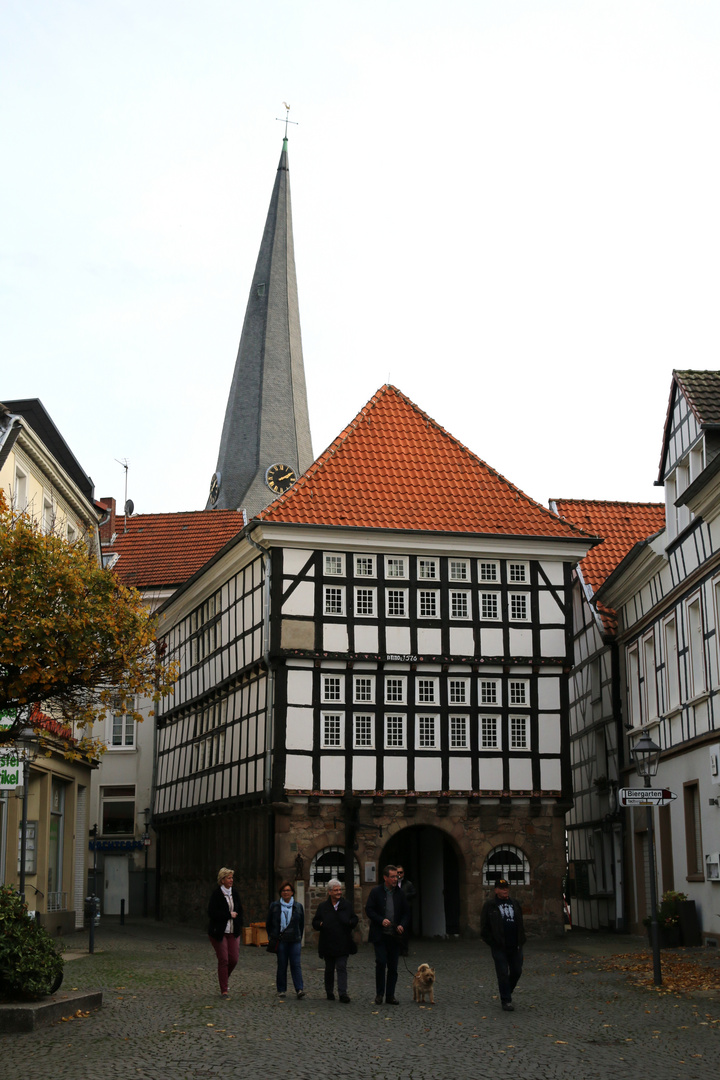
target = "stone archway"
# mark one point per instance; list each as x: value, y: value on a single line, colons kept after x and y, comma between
x: 436, y: 868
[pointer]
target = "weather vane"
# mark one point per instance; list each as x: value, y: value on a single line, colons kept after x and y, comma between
x: 286, y: 118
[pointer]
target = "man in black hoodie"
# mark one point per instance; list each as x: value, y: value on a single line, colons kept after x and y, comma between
x: 501, y: 927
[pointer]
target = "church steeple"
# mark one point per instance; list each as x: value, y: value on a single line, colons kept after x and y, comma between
x: 266, y: 420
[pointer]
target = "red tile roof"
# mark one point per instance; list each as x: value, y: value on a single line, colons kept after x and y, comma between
x: 164, y: 550
x: 393, y: 467
x: 621, y: 525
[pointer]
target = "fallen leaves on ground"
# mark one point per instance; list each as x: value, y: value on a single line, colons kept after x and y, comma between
x: 679, y: 974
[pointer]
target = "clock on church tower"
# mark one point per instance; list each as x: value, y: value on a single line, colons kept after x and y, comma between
x: 280, y: 477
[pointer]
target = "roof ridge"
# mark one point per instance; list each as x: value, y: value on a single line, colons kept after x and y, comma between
x: 607, y: 502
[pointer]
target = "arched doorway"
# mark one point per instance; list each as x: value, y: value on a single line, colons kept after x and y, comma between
x: 431, y: 862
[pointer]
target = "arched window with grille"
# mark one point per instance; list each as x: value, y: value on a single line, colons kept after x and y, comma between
x: 330, y: 863
x: 508, y: 862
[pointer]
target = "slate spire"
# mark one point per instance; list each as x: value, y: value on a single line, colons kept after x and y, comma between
x: 266, y: 420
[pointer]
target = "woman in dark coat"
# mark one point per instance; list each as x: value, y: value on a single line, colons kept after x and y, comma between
x: 285, y: 924
x: 336, y: 920
x: 225, y: 916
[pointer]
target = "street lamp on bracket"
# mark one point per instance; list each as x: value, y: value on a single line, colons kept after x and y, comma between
x: 646, y: 757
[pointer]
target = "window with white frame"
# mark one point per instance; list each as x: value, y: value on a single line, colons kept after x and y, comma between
x: 517, y: 572
x: 519, y: 733
x: 334, y: 599
x: 489, y: 571
x: 459, y: 739
x: 518, y: 690
x: 459, y: 604
x: 696, y: 646
x: 363, y: 731
x: 519, y: 605
x: 427, y: 569
x: 395, y: 566
x: 396, y: 601
x: 332, y: 730
x: 672, y: 677
x: 332, y: 688
x: 364, y: 688
x: 426, y: 691
x: 394, y: 731
x: 489, y: 692
x: 122, y: 725
x: 489, y: 739
x: 428, y: 604
x: 458, y: 692
x: 395, y: 688
x: 364, y: 566
x: 426, y: 735
x: 459, y: 570
x: 650, y: 673
x: 489, y: 605
x: 20, y: 491
x: 71, y: 532
x: 334, y: 565
x: 364, y: 601
x: 48, y: 515
x: 330, y: 863
x: 117, y: 810
x: 633, y: 687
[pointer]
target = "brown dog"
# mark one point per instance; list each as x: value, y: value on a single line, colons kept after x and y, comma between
x: 423, y: 982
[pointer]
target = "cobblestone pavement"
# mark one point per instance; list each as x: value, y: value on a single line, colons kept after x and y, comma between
x: 163, y: 1017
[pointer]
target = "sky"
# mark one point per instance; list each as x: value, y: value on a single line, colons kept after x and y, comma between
x: 508, y: 209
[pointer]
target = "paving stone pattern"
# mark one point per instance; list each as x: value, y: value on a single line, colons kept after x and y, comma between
x: 163, y: 1018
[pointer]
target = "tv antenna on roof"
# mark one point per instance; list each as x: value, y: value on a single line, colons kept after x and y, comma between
x: 129, y: 505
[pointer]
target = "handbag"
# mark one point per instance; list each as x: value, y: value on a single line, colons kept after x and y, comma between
x: 272, y: 945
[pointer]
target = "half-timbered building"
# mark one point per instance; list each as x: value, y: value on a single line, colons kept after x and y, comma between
x: 376, y: 667
x: 595, y: 822
x: 666, y: 593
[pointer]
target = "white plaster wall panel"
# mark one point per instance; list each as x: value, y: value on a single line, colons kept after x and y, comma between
x: 301, y: 600
x: 243, y: 739
x: 520, y: 774
x: 462, y: 641
x: 299, y: 687
x: 395, y: 773
x: 550, y: 779
x: 261, y: 733
x: 491, y: 774
x: 332, y: 772
x: 548, y: 693
x: 491, y: 641
x: 242, y: 789
x: 549, y: 732
x: 298, y: 772
x: 335, y: 637
x: 460, y: 774
x: 247, y: 612
x: 257, y: 645
x: 226, y: 784
x: 225, y: 626
x: 366, y: 639
x: 294, y: 559
x: 552, y: 643
x: 397, y: 639
x: 555, y: 573
x: 550, y: 610
x: 429, y: 641
x: 364, y: 773
x: 520, y: 642
x: 428, y: 774
x: 234, y: 777
x: 299, y: 728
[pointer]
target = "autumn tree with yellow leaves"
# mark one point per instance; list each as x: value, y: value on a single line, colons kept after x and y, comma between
x: 73, y: 639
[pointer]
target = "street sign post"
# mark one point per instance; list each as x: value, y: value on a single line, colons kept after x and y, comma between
x: 645, y: 796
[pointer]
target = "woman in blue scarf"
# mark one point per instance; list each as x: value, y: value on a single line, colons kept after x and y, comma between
x: 285, y: 925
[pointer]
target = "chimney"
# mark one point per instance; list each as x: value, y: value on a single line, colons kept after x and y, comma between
x: 107, y: 530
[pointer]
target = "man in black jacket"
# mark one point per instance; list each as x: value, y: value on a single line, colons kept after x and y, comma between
x: 388, y: 912
x: 501, y: 927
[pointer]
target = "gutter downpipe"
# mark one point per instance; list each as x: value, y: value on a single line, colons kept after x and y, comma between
x: 269, y: 705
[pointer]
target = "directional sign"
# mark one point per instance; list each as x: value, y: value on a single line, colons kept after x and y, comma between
x: 629, y: 796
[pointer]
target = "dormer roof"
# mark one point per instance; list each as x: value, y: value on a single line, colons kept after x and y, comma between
x: 621, y: 525
x: 702, y: 393
x: 394, y: 467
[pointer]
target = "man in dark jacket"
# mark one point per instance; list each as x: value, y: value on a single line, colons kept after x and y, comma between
x: 501, y: 927
x: 388, y: 912
x: 336, y: 920
x: 410, y: 892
